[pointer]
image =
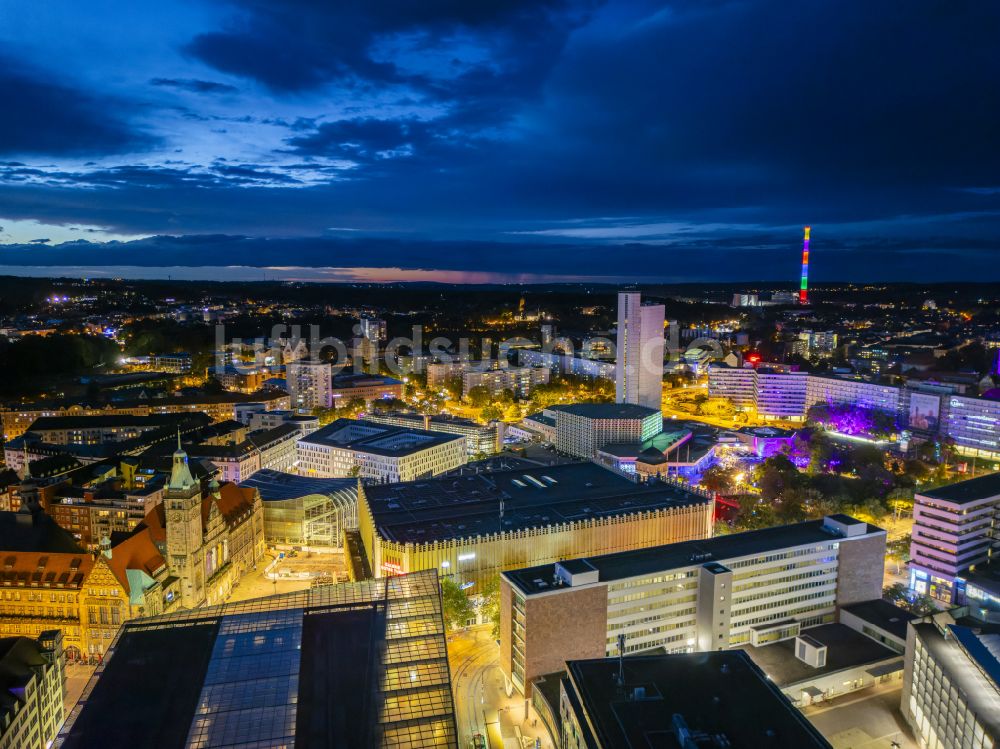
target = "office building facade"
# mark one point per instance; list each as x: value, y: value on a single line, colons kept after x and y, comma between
x: 582, y: 429
x: 752, y: 588
x: 378, y: 452
x: 951, y: 694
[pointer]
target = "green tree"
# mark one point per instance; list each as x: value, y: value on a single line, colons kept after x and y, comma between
x: 479, y: 396
x: 718, y: 479
x: 490, y: 606
x: 492, y: 412
x: 456, y: 607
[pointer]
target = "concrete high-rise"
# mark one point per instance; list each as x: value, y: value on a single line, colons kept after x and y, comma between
x: 639, y: 371
x: 309, y: 384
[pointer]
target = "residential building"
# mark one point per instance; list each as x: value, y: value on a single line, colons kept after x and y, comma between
x: 954, y: 528
x: 780, y: 393
x: 567, y: 364
x: 439, y: 373
x: 480, y: 439
x: 364, y: 387
x: 179, y: 362
x: 470, y: 527
x: 300, y: 511
x: 606, y: 703
x: 360, y: 664
x: 33, y: 685
x: 951, y: 684
x: 92, y: 513
x: 309, y: 384
x: 273, y: 449
x: 219, y: 407
x: 752, y: 588
x: 519, y: 380
x: 639, y: 370
x: 111, y: 429
x: 775, y: 391
x: 373, y: 329
x: 854, y: 391
x: 582, y: 429
x: 378, y: 452
x: 738, y: 384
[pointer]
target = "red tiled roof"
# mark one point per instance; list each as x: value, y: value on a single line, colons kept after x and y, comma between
x: 137, y: 552
x: 41, y: 568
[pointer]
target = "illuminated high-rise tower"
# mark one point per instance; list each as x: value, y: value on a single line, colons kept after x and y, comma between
x: 804, y: 288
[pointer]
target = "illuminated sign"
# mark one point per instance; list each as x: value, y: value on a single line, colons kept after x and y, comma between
x: 466, y: 557
x: 392, y: 568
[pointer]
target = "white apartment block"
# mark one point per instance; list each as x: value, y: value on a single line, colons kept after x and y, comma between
x: 378, y: 452
x: 781, y: 393
x: 828, y: 389
x: 438, y: 373
x: 738, y: 384
x: 519, y: 380
x: 567, y: 364
x: 639, y: 371
x: 581, y: 429
x: 309, y: 384
x: 953, y: 529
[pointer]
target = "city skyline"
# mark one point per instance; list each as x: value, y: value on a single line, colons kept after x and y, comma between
x: 521, y: 141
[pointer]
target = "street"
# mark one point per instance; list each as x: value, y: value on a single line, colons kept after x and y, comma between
x: 867, y: 720
x: 77, y: 676
x: 478, y: 688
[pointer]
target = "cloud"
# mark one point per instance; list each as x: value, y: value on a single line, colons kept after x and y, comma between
x: 194, y: 85
x: 39, y: 241
x: 392, y: 42
x: 48, y: 115
x: 764, y: 256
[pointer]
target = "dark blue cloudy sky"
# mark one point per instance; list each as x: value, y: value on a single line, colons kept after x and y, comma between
x: 676, y: 140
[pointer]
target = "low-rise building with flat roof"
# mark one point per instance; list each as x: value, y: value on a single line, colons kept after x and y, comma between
x: 364, y: 386
x: 671, y: 700
x: 471, y: 527
x: 753, y: 588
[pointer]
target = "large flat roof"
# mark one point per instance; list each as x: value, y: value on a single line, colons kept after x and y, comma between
x: 846, y: 648
x: 467, y: 506
x: 883, y: 614
x: 377, y: 439
x: 606, y: 410
x: 713, y: 693
x: 350, y: 665
x: 972, y: 490
x: 625, y: 564
x: 278, y: 485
